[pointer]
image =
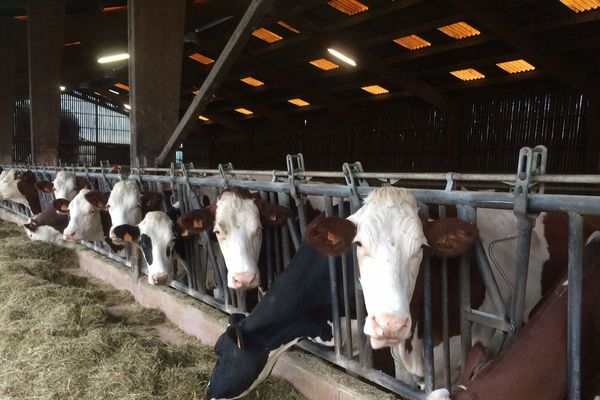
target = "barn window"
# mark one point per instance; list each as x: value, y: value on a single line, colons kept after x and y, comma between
x: 581, y: 5
x: 244, y: 111
x: 412, y: 42
x: 468, y: 74
x: 203, y: 118
x: 459, y: 30
x: 375, y: 89
x: 516, y: 66
x: 266, y: 35
x: 202, y: 59
x: 324, y: 64
x: 299, y: 102
x: 252, y: 81
x: 350, y: 7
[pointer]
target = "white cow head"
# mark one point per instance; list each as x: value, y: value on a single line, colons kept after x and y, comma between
x: 237, y: 219
x: 389, y: 236
x: 19, y: 187
x: 85, y: 222
x: 64, y: 186
x: 155, y: 236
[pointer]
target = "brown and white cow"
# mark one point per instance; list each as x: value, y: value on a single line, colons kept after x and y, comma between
x: 237, y: 218
x: 19, y: 187
x: 64, y: 186
x: 534, y: 364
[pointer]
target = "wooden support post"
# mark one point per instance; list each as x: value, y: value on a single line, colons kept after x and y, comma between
x: 8, y: 80
x: 156, y: 49
x: 248, y: 23
x: 592, y: 136
x: 46, y: 39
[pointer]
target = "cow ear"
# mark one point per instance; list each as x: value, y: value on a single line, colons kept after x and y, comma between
x: 61, y: 205
x: 151, y: 201
x: 44, y: 186
x: 450, y: 237
x: 196, y: 221
x: 97, y: 199
x: 272, y: 215
x: 332, y: 235
x: 82, y: 183
x: 127, y: 233
x: 30, y: 226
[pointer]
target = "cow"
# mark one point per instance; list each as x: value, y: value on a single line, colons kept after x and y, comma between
x: 93, y: 213
x: 64, y: 186
x: 156, y: 235
x: 19, y: 187
x: 542, y: 343
x: 47, y: 226
x: 298, y: 305
x: 237, y: 219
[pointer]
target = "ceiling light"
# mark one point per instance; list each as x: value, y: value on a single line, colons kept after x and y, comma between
x: 350, y: 7
x: 113, y: 91
x: 459, y: 30
x: 21, y: 17
x: 412, y: 42
x: 516, y: 66
x: 75, y: 43
x: 468, y: 74
x: 581, y: 5
x: 127, y: 106
x: 288, y: 27
x: 299, y: 102
x: 113, y: 58
x: 203, y: 118
x: 114, y: 9
x: 244, y: 111
x: 266, y: 35
x: 375, y: 89
x: 324, y: 64
x: 252, y: 82
x: 342, y: 57
x: 202, y: 59
x: 122, y: 86
x: 62, y: 88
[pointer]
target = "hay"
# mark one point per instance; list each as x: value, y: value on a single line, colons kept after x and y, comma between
x: 59, y: 340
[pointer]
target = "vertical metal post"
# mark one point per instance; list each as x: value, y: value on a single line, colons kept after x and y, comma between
x: 574, y: 305
x: 445, y: 317
x: 468, y: 214
x: 517, y: 309
x: 335, y: 307
x: 427, y: 322
x: 268, y: 246
x: 283, y: 200
x: 348, y: 322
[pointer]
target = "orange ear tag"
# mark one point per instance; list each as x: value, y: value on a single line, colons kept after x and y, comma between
x: 332, y: 237
x: 198, y: 224
x: 127, y: 237
x: 184, y: 233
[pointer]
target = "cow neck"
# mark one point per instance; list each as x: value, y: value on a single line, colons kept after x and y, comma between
x: 50, y: 217
x: 29, y: 191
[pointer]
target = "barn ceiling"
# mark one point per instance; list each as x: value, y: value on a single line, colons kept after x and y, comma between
x: 435, y: 50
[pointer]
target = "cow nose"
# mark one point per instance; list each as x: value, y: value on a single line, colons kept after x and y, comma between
x: 158, y: 279
x: 245, y: 280
x: 389, y: 328
x: 69, y: 235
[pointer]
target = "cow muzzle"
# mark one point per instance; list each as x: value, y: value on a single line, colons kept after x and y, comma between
x: 69, y: 235
x: 245, y: 280
x: 387, y: 329
x: 158, y: 279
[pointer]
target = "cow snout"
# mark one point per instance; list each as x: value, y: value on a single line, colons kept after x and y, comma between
x: 387, y: 329
x: 69, y: 235
x: 245, y: 280
x: 158, y: 279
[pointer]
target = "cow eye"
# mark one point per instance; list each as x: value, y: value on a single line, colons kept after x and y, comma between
x: 358, y: 243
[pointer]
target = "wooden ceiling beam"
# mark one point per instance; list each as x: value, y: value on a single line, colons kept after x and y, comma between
x: 563, y: 69
x: 376, y: 65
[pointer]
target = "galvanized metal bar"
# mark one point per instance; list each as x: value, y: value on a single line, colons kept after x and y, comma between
x: 575, y: 276
x: 335, y: 306
x: 466, y: 213
x: 525, y: 228
x: 268, y: 246
x: 283, y: 200
x: 215, y: 266
x: 427, y: 322
x: 346, y: 292
x: 490, y: 320
x: 444, y: 308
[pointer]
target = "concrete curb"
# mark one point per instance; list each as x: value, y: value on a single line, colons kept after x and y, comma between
x: 313, y: 377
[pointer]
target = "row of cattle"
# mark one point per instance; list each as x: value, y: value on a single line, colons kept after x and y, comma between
x: 389, y: 234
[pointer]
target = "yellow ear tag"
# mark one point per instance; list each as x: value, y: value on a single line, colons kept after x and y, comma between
x: 127, y: 237
x: 332, y: 237
x: 184, y: 233
x: 64, y: 208
x: 239, y: 344
x: 273, y: 218
x: 198, y: 224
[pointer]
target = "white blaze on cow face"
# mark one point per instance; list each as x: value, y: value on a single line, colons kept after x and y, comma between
x: 124, y: 205
x: 65, y: 185
x: 157, y: 241
x: 9, y: 189
x: 84, y: 220
x: 389, y: 238
x: 239, y: 232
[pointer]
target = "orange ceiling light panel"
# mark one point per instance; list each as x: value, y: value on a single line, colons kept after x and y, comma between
x: 266, y: 35
x: 122, y: 86
x: 244, y: 111
x: 412, y: 42
x: 114, y: 9
x: 459, y: 30
x: 581, y: 5
x: 375, y: 89
x: 252, y: 82
x: 299, y: 102
x: 203, y: 118
x: 516, y: 66
x: 350, y: 7
x: 324, y: 64
x: 75, y: 43
x: 202, y: 59
x: 288, y: 27
x: 21, y: 17
x: 468, y: 74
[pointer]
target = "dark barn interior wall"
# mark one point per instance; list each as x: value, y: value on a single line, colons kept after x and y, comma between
x: 409, y: 136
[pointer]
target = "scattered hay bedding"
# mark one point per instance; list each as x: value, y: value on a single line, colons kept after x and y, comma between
x: 58, y: 341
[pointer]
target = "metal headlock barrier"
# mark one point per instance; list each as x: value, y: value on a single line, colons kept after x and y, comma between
x: 200, y: 271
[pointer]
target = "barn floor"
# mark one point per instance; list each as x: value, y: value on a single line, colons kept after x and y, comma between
x: 64, y: 335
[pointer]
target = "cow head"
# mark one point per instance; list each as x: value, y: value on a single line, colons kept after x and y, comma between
x: 65, y: 185
x: 84, y: 211
x: 19, y: 187
x: 43, y: 233
x: 127, y: 206
x: 389, y: 236
x: 240, y: 363
x: 237, y: 219
x: 155, y: 235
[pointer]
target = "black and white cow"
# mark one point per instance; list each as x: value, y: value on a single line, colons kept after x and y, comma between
x: 298, y: 305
